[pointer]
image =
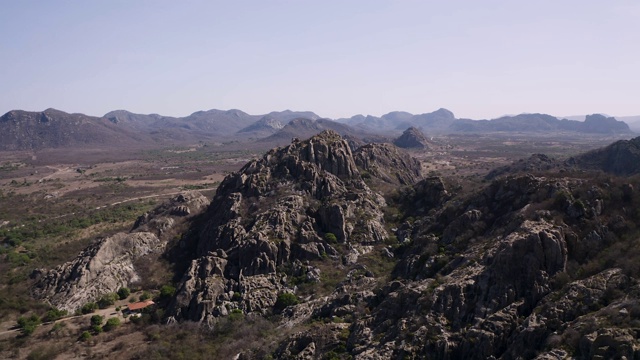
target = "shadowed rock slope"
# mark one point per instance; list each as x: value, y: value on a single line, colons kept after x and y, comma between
x: 620, y: 158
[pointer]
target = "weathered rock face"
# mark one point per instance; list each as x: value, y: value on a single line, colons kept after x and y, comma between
x: 162, y: 218
x: 275, y: 211
x: 412, y: 138
x: 483, y: 279
x: 108, y: 264
x: 470, y: 314
x: 389, y: 164
x: 102, y: 268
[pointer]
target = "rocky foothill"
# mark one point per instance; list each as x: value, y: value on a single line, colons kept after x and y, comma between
x: 412, y: 138
x: 528, y: 266
x: 110, y: 263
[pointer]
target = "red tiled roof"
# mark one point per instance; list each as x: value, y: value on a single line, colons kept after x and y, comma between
x: 140, y: 305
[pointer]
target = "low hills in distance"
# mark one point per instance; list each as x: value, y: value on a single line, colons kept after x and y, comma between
x: 23, y: 130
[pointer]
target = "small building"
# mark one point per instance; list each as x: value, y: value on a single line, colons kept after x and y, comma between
x: 136, y: 308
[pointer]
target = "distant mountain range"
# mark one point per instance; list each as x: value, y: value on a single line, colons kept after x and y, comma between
x: 438, y: 121
x: 23, y: 130
x: 595, y: 124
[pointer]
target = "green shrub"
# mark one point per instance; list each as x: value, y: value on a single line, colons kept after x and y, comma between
x: 111, y: 324
x: 85, y: 336
x: 53, y: 315
x: 167, y: 291
x: 88, y: 308
x: 331, y: 238
x: 286, y: 299
x: 145, y: 296
x: 57, y: 326
x: 123, y: 293
x: 236, y: 315
x: 29, y: 324
x: 107, y: 300
x: 97, y: 320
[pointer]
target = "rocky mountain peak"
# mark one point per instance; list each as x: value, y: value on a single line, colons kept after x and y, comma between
x: 277, y: 211
x: 598, y: 123
x: 412, y: 138
x: 444, y: 113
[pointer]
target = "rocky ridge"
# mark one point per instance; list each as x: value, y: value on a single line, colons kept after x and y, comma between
x: 24, y: 130
x: 536, y: 163
x: 619, y: 158
x: 278, y: 212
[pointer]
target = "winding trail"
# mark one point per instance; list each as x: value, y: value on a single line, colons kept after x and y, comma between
x: 128, y: 200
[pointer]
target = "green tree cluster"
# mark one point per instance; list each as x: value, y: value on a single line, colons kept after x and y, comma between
x: 29, y: 324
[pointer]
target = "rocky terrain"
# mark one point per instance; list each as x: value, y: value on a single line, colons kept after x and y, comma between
x: 620, y: 158
x: 412, y: 138
x: 536, y: 163
x: 110, y: 263
x: 355, y: 255
x: 276, y: 213
x: 387, y: 163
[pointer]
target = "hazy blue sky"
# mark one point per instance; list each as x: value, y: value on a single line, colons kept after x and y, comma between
x: 480, y: 59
